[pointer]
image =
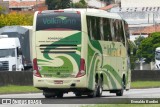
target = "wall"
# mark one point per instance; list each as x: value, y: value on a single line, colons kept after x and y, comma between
x: 145, y: 75
x: 26, y: 77
x: 16, y: 78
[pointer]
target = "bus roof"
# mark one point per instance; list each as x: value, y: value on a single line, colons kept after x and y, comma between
x: 89, y: 12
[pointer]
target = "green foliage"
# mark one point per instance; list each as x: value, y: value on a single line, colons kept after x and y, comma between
x: 1, y: 10
x: 133, y: 47
x: 133, y: 58
x: 147, y: 47
x: 58, y: 4
x: 138, y: 40
x: 82, y: 1
x: 16, y: 19
x: 80, y: 4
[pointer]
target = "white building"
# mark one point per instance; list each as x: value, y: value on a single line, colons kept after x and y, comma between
x: 139, y: 14
x: 97, y: 3
x: 140, y: 3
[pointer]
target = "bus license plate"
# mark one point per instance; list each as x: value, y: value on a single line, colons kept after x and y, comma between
x: 58, y: 82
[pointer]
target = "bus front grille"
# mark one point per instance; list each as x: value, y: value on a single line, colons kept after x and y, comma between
x: 4, y: 66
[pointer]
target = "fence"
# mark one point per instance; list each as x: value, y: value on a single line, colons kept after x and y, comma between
x: 26, y: 77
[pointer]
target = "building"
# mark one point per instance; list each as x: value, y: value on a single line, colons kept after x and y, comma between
x: 25, y: 5
x: 140, y: 3
x: 139, y: 15
x: 5, y: 5
x: 98, y: 3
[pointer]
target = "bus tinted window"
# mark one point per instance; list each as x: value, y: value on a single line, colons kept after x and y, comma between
x: 99, y: 28
x: 58, y: 20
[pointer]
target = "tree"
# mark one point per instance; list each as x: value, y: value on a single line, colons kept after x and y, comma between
x: 138, y: 40
x: 16, y: 19
x: 108, y: 1
x: 147, y: 47
x: 58, y: 4
x: 80, y: 4
x: 132, y: 52
x: 1, y: 10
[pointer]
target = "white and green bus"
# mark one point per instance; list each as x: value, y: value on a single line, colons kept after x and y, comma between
x: 83, y: 51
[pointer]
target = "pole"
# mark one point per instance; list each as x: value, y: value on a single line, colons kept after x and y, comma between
x: 141, y: 64
x: 36, y: 5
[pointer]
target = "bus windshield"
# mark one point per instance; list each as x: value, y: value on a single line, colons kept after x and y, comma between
x: 58, y: 21
x: 157, y: 55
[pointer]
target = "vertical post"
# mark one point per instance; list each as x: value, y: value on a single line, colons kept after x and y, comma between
x: 148, y: 18
x: 36, y: 5
x: 141, y: 64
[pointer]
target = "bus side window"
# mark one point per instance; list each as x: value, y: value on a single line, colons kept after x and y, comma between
x: 96, y: 29
x: 122, y: 33
x: 93, y: 28
x: 90, y: 21
x: 89, y: 27
x: 126, y: 30
x: 107, y: 30
x: 101, y: 28
x: 112, y: 26
x: 119, y: 32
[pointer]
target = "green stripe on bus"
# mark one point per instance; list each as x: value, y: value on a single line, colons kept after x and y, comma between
x: 76, y: 37
x: 92, y: 72
x: 41, y: 60
x: 114, y: 73
x: 113, y: 83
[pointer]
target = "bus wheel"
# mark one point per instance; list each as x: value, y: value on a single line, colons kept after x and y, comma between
x: 60, y: 95
x: 48, y: 95
x: 100, y: 88
x: 94, y: 92
x: 120, y: 92
x: 78, y: 94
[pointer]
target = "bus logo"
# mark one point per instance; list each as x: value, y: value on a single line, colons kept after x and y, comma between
x: 61, y: 17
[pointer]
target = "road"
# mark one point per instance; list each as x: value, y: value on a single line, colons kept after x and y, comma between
x: 106, y: 97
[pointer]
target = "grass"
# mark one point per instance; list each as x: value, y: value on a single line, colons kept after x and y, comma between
x: 123, y: 105
x: 145, y: 84
x: 17, y: 89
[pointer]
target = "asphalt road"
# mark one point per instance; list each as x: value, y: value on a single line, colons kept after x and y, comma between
x: 138, y: 94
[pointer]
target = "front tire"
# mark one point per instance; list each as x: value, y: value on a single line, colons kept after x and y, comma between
x: 78, y: 94
x: 60, y: 95
x: 94, y: 92
x: 48, y: 94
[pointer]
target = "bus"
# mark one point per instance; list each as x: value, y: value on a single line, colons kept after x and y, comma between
x: 84, y: 51
x: 157, y: 58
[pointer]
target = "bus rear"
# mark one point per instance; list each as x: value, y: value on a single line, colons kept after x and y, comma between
x: 58, y: 65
